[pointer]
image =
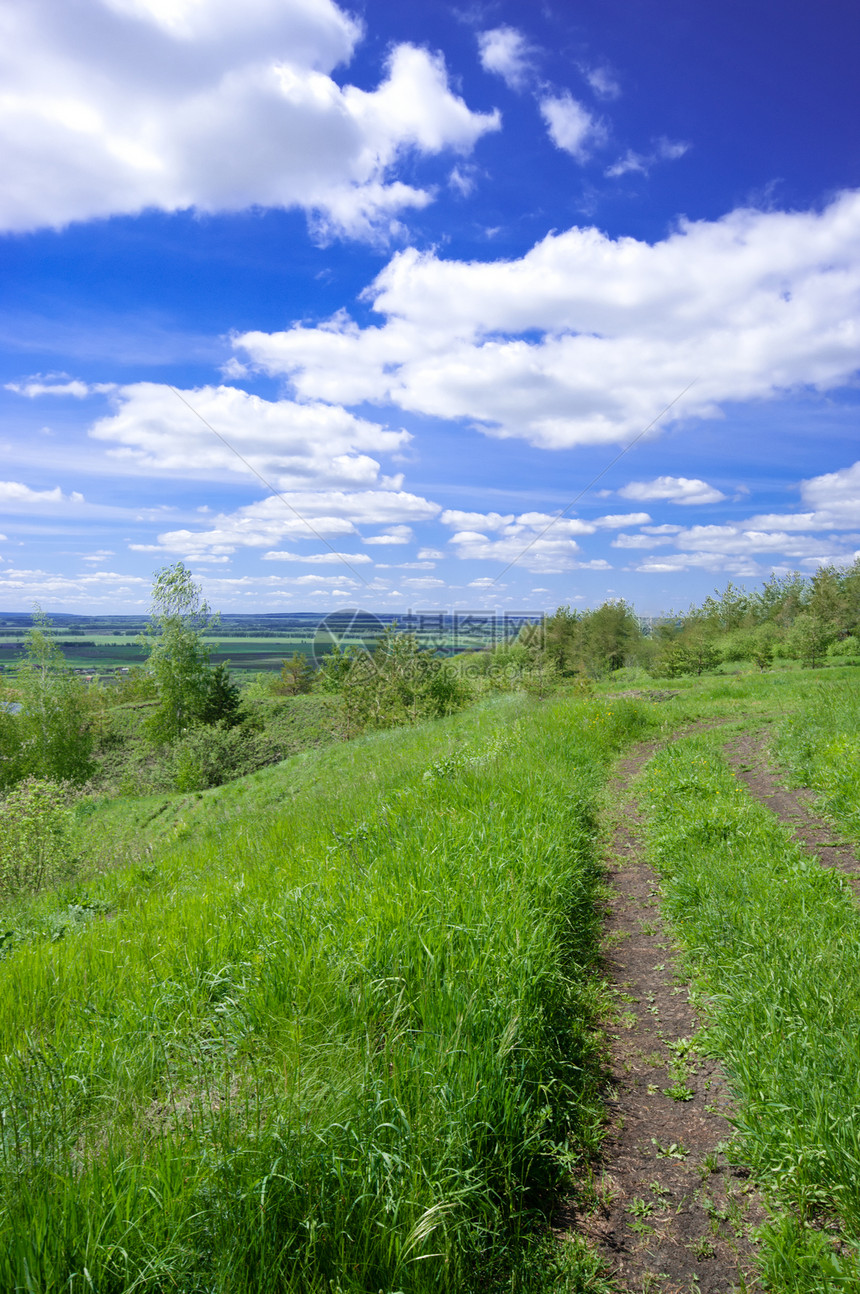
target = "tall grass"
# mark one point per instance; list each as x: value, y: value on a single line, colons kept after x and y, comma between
x: 821, y: 745
x: 342, y: 1044
x: 776, y: 940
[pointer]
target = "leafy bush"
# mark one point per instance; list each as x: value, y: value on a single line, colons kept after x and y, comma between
x: 34, y: 836
x: 212, y: 755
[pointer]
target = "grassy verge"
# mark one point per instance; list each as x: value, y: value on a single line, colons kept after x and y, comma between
x: 332, y: 1032
x: 820, y: 743
x: 775, y: 940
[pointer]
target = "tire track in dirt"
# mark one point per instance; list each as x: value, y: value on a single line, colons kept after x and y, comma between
x: 670, y: 1212
x: 750, y: 758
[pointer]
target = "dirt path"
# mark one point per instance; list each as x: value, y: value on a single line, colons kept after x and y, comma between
x: 671, y: 1213
x: 749, y: 757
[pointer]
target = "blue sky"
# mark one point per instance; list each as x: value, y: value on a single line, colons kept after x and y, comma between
x: 426, y: 271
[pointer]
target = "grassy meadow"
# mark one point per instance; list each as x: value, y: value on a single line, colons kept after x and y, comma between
x: 337, y: 1025
x: 334, y: 1041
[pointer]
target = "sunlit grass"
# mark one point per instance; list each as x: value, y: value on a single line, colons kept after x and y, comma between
x: 776, y: 941
x: 332, y: 1029
x: 821, y: 746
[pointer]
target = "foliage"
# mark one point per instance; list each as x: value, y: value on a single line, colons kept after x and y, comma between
x: 809, y: 639
x: 820, y: 743
x: 399, y: 682
x: 51, y: 737
x: 336, y: 1045
x: 34, y: 837
x: 137, y: 685
x: 789, y: 616
x: 570, y: 644
x: 178, y: 656
x: 221, y: 698
x: 296, y: 677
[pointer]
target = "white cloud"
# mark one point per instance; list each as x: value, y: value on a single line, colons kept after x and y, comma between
x: 406, y: 566
x: 38, y: 385
x: 529, y: 541
x: 291, y: 445
x: 114, y: 106
x: 623, y: 540
x: 677, y: 489
x: 15, y: 495
x: 833, y: 501
x: 571, y: 126
x: 393, y: 535
x: 430, y: 554
x: 268, y: 522
x: 20, y: 588
x: 742, y: 567
x: 475, y: 520
x: 665, y: 150
x: 319, y: 559
x: 586, y: 338
x: 738, y: 539
x: 613, y: 522
x: 603, y: 82
x: 505, y: 51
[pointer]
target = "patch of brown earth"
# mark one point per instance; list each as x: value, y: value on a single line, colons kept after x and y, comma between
x: 749, y: 756
x: 671, y: 1213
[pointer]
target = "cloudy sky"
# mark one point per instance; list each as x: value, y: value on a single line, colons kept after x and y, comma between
x: 450, y: 305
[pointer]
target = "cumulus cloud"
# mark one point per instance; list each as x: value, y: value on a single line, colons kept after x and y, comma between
x: 15, y: 495
x: 832, y: 500
x: 393, y: 535
x: 572, y: 128
x: 114, y: 106
x: 536, y: 541
x: 585, y: 338
x: 676, y: 489
x: 291, y: 445
x: 268, y: 522
x: 738, y: 539
x: 624, y: 540
x: 505, y: 51
x: 21, y: 587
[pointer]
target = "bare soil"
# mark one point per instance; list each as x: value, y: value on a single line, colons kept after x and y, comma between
x: 749, y: 756
x: 671, y: 1211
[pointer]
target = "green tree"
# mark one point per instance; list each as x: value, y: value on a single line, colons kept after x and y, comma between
x: 809, y: 639
x: 51, y: 737
x: 221, y: 698
x: 178, y: 655
x: 297, y: 676
x: 34, y: 837
x: 764, y: 640
x: 609, y: 635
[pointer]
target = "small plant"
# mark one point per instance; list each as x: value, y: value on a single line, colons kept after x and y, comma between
x: 679, y: 1092
x: 675, y: 1150
x: 34, y: 836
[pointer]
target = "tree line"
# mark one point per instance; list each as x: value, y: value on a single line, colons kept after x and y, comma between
x: 791, y: 616
x: 206, y: 730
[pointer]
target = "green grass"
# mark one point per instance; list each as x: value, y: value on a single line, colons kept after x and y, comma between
x: 775, y: 940
x: 335, y: 1031
x: 820, y: 743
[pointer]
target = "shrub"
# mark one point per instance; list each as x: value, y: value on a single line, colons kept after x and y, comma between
x: 34, y: 836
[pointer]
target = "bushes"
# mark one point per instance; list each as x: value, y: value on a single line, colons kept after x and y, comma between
x: 34, y: 837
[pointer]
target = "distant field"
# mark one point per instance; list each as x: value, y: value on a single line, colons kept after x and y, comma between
x: 107, y: 651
